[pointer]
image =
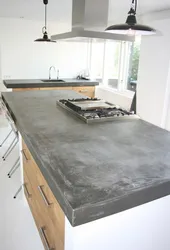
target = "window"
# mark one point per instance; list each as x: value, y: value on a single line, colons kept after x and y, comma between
x: 133, y: 65
x: 112, y: 63
x: 96, y: 60
x: 115, y: 63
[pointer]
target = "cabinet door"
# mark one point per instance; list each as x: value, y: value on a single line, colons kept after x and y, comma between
x: 87, y: 91
x: 47, y: 199
x: 48, y: 215
x: 49, y: 236
x: 50, y: 221
x: 28, y: 190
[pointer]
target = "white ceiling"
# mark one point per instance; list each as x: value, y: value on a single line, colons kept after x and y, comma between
x: 34, y: 9
x: 59, y: 10
x: 119, y: 8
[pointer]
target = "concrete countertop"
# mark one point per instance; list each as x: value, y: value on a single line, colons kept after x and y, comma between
x: 94, y: 170
x: 37, y: 83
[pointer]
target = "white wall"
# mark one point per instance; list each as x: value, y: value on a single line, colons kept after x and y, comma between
x: 145, y: 227
x: 153, y: 79
x: 167, y: 108
x: 23, y: 58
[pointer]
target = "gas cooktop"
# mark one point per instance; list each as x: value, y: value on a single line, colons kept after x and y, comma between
x: 95, y: 110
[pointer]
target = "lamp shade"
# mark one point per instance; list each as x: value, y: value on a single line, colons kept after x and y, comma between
x: 45, y: 38
x: 131, y: 27
x: 127, y: 29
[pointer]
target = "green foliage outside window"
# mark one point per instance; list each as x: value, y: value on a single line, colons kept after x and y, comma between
x: 134, y: 65
x: 135, y: 61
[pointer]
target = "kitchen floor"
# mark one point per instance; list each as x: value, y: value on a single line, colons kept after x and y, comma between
x: 17, y: 227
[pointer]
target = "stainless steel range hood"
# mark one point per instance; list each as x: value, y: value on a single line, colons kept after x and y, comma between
x: 89, y: 20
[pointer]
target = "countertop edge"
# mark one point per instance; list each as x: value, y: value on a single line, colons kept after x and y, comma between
x: 41, y: 84
x: 122, y: 204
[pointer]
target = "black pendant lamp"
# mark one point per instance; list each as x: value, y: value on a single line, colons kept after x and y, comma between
x: 45, y: 37
x: 131, y: 27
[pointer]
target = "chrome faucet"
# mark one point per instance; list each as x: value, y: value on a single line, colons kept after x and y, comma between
x: 52, y: 67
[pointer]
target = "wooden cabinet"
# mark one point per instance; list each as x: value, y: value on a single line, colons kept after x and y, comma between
x: 87, y: 91
x: 57, y: 88
x: 47, y: 213
x: 84, y: 90
x: 24, y: 89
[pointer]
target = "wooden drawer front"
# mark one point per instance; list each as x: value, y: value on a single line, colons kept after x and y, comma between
x: 53, y: 216
x: 50, y: 237
x: 26, y: 153
x: 47, y: 201
x: 28, y: 189
x: 57, y: 88
x: 27, y: 166
x: 87, y: 91
x: 50, y: 225
x: 27, y: 157
x: 31, y: 197
x: 24, y: 89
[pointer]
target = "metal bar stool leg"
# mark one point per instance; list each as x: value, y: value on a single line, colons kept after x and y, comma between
x: 4, y: 158
x: 6, y: 138
x: 18, y: 191
x: 13, y: 167
x: 14, y: 170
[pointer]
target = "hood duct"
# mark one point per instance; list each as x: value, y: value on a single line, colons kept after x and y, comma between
x: 89, y: 20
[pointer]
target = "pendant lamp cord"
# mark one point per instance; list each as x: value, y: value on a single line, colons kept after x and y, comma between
x: 134, y: 4
x: 46, y: 17
x: 44, y: 29
x: 133, y: 8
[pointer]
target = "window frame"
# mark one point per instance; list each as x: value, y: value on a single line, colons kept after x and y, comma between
x: 123, y: 65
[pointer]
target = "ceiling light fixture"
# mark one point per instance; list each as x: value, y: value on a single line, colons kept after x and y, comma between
x: 131, y: 27
x: 44, y: 29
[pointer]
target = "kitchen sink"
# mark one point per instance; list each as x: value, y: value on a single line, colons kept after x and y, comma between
x: 52, y: 80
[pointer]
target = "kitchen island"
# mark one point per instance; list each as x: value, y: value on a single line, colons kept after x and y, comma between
x: 94, y: 171
x: 85, y: 87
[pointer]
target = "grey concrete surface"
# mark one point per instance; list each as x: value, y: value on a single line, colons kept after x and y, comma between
x: 94, y: 170
x: 37, y: 83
